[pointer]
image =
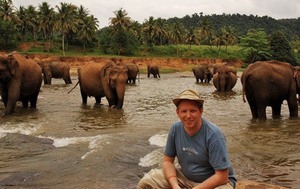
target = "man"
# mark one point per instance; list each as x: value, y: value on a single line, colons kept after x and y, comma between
x: 200, y: 148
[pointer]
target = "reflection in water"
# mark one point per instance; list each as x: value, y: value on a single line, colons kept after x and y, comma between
x: 69, y: 145
x: 100, y: 117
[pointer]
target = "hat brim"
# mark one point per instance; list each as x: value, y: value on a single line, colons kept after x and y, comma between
x: 177, y: 100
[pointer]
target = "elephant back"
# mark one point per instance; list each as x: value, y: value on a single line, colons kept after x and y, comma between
x: 28, y: 72
x: 90, y: 76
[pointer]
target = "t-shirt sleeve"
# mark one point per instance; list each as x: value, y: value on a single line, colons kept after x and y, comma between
x: 170, y: 149
x: 218, y: 155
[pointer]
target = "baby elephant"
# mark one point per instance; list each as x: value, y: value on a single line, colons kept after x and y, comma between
x: 154, y: 70
x: 55, y: 70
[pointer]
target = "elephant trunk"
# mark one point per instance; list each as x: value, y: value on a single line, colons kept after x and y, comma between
x: 120, y: 95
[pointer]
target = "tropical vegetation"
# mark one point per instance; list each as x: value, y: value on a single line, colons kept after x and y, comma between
x: 68, y: 28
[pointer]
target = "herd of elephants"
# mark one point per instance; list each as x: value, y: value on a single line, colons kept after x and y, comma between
x: 265, y: 83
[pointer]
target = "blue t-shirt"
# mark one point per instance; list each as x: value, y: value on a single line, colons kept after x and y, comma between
x: 199, y: 155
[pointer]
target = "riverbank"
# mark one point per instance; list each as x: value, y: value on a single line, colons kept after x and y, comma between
x: 165, y: 64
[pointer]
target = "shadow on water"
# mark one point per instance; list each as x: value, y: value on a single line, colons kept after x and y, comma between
x: 65, y: 144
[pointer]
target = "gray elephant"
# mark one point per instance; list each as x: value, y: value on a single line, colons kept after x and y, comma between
x: 20, y: 79
x: 103, y: 79
x: 154, y: 70
x: 225, y: 78
x: 55, y: 69
x: 269, y: 83
x: 133, y: 71
x: 204, y: 73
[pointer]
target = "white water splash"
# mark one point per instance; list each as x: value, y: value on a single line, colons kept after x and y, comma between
x: 94, y: 142
x: 158, y: 140
x: 154, y: 157
x: 22, y: 128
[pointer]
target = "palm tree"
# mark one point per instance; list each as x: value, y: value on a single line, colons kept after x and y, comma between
x: 46, y: 21
x: 88, y: 27
x: 136, y: 28
x: 176, y: 35
x: 6, y: 11
x: 191, y: 38
x: 150, y: 30
x: 21, y: 24
x: 120, y: 25
x: 230, y: 35
x: 82, y: 12
x: 121, y: 20
x: 162, y: 31
x: 205, y: 30
x: 66, y: 21
x: 31, y: 20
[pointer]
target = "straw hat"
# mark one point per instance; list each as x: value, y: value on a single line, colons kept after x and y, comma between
x: 188, y: 95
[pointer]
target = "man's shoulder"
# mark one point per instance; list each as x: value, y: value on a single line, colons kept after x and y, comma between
x: 211, y: 127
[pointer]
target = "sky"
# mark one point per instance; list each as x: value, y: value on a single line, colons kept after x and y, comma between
x: 139, y: 10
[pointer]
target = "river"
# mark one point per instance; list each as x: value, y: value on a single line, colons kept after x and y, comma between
x: 65, y: 144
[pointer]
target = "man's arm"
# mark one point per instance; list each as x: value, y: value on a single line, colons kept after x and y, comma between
x: 219, y: 178
x: 170, y: 171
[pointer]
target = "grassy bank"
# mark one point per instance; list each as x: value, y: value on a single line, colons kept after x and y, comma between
x: 168, y: 51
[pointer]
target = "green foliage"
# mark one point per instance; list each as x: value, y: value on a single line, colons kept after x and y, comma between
x: 7, y: 35
x: 256, y: 46
x: 193, y: 51
x: 124, y: 43
x: 105, y: 40
x: 296, y: 49
x: 281, y: 49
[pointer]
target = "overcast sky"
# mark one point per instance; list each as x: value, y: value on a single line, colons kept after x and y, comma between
x: 139, y: 10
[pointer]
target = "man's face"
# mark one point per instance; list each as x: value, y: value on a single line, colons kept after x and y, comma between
x: 189, y: 113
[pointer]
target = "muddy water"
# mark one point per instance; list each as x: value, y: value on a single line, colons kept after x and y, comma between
x: 67, y: 145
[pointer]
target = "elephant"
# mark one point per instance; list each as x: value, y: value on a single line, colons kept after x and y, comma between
x: 269, y: 83
x: 224, y: 79
x: 55, y: 70
x: 154, y: 70
x: 103, y: 79
x: 204, y: 73
x: 20, y: 80
x: 133, y: 71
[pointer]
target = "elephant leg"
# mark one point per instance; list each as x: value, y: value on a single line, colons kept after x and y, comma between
x: 69, y: 80
x: 261, y: 109
x: 4, y: 99
x: 98, y: 99
x: 293, y: 108
x: 83, y: 97
x: 276, y: 109
x: 25, y: 102
x: 253, y: 109
x: 10, y: 107
x: 33, y: 101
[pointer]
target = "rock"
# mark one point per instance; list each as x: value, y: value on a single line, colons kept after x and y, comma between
x: 247, y: 184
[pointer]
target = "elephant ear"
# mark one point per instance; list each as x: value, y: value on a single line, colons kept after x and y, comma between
x: 13, y: 64
x: 105, y: 72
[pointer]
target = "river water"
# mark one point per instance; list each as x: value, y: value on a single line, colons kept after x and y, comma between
x: 65, y: 144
